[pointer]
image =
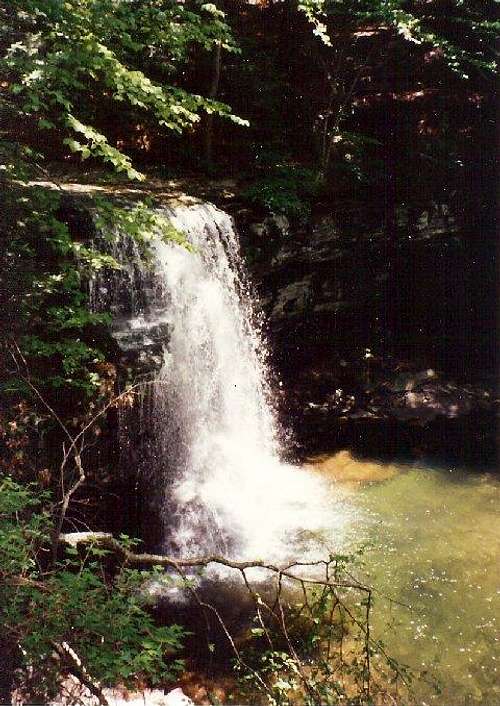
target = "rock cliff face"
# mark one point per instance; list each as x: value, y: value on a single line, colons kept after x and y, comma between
x: 381, y: 341
x: 131, y: 296
x: 342, y: 262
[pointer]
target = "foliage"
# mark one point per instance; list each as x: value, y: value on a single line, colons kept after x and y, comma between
x: 64, y: 66
x: 103, y: 618
x: 46, y: 267
x: 316, y: 647
x: 63, y: 58
x: 138, y: 221
x: 314, y: 10
x: 467, y: 22
x: 285, y: 190
x: 46, y: 299
x: 353, y: 58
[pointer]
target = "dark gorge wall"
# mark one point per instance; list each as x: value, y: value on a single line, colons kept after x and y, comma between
x: 389, y: 347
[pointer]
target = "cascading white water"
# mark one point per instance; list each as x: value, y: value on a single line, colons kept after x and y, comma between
x: 213, y: 454
x: 226, y: 488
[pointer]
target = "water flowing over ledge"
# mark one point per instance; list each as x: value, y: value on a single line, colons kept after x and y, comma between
x: 211, y: 448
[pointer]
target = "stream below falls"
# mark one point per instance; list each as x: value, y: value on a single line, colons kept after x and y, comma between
x: 433, y: 558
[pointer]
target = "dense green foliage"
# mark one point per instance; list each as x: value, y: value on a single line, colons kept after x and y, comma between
x: 66, y: 61
x: 74, y: 602
x: 418, y: 23
x: 285, y: 190
x: 405, y: 50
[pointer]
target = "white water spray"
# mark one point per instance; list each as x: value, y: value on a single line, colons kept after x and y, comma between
x: 214, y: 452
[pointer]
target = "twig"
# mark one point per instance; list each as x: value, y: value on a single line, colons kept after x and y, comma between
x: 77, y: 668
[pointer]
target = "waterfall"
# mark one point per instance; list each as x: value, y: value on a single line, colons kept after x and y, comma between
x: 212, y: 456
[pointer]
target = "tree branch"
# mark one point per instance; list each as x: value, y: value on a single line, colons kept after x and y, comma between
x: 129, y: 557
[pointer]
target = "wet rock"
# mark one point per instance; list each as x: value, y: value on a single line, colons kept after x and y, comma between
x: 420, y: 396
x: 73, y: 691
x: 336, y: 268
x: 409, y: 381
x: 292, y: 300
x: 381, y: 405
x: 259, y: 230
x: 280, y: 223
x: 274, y: 226
x: 433, y: 400
x: 437, y: 220
x: 204, y: 689
x: 177, y: 697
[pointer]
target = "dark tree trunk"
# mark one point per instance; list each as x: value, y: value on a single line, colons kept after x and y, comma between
x: 214, y: 88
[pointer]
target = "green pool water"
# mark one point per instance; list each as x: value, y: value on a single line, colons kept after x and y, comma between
x: 434, y: 560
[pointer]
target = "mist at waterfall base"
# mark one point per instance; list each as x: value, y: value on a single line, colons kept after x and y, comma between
x: 211, y: 458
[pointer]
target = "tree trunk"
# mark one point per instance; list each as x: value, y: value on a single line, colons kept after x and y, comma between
x: 214, y: 88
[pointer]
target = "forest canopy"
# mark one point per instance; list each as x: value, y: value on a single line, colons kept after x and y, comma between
x: 68, y: 66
